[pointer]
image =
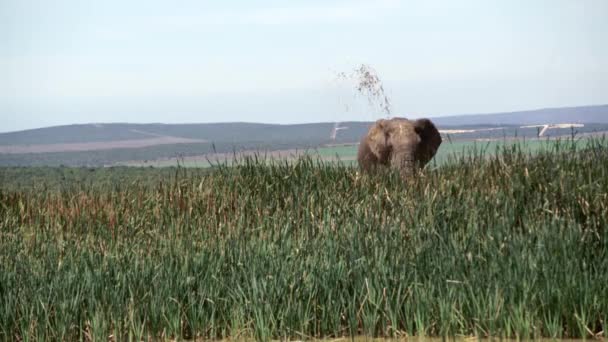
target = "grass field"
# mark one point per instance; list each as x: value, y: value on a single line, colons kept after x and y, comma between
x: 449, y: 149
x: 512, y: 244
x: 347, y: 154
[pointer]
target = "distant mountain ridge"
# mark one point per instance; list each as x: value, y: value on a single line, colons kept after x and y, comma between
x: 583, y: 114
x: 300, y: 134
x: 99, y: 144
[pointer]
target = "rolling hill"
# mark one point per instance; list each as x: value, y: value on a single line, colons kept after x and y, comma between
x: 586, y: 114
x: 107, y: 144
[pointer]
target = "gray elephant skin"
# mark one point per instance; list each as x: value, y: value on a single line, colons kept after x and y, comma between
x: 403, y: 144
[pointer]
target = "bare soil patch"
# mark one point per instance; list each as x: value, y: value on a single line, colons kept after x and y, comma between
x: 95, y: 146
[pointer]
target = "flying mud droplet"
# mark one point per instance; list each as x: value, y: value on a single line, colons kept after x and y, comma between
x: 368, y: 84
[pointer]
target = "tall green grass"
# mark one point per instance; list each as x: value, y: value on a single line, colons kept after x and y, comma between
x: 507, y: 245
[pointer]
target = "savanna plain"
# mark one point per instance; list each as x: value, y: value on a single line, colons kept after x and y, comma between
x: 497, y: 242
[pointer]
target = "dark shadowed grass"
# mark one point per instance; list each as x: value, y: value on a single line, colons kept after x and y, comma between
x: 507, y: 245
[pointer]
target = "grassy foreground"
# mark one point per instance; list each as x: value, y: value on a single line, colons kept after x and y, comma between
x: 511, y: 245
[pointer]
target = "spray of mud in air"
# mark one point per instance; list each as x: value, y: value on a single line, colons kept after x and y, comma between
x: 366, y: 83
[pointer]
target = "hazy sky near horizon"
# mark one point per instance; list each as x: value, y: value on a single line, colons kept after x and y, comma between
x: 76, y: 61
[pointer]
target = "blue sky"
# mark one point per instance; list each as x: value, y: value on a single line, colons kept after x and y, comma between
x: 77, y: 61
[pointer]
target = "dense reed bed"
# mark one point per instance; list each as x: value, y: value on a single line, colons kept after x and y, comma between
x: 508, y: 245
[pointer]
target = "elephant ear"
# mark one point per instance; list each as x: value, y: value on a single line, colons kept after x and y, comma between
x: 430, y: 140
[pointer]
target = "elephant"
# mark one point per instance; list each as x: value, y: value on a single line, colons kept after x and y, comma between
x: 403, y: 144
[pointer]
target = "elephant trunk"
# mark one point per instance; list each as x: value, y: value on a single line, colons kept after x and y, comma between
x: 404, y: 161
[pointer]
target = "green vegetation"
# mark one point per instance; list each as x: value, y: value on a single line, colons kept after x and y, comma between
x: 511, y: 245
x: 448, y: 151
x: 347, y: 154
x: 57, y: 179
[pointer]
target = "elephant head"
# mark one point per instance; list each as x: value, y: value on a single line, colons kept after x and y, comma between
x: 373, y: 150
x: 400, y: 143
